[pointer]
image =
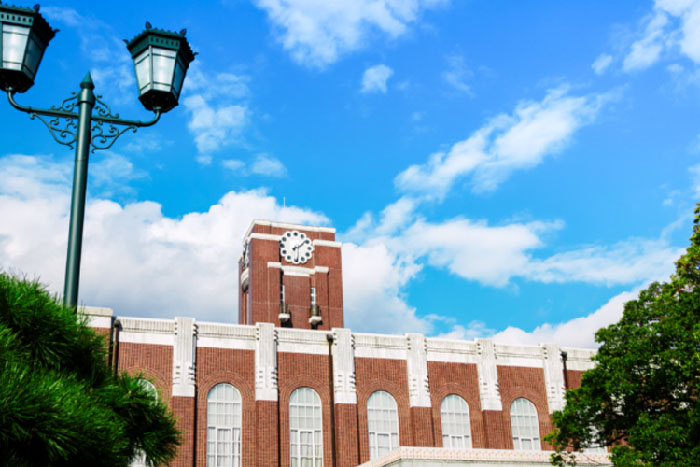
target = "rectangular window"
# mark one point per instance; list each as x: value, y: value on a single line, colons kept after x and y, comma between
x: 282, y: 294
x: 313, y: 296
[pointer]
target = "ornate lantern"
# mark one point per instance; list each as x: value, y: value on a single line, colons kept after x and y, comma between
x: 24, y: 35
x: 161, y: 59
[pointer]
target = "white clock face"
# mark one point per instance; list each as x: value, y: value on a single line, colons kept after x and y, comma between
x: 296, y: 247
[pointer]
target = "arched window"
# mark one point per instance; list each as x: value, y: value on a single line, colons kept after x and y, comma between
x: 383, y: 421
x: 305, y: 429
x: 140, y: 458
x: 223, y: 426
x: 454, y: 414
x: 524, y: 425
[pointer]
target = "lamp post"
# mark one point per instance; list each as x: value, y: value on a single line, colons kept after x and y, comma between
x: 161, y: 59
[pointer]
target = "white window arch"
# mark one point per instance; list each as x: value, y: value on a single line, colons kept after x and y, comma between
x: 454, y: 416
x: 305, y: 429
x: 140, y: 458
x: 524, y: 425
x: 224, y: 426
x: 383, y: 421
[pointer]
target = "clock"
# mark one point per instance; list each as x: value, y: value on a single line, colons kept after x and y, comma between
x: 296, y: 247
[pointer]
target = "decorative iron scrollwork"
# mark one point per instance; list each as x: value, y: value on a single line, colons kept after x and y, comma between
x: 104, y: 135
x: 63, y: 129
x: 68, y: 105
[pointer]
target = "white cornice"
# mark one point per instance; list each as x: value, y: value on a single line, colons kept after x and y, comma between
x: 297, y: 270
x: 328, y: 243
x: 285, y: 225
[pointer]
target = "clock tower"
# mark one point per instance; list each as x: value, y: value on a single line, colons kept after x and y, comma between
x: 291, y: 275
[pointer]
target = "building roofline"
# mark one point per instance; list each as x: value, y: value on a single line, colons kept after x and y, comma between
x: 287, y: 225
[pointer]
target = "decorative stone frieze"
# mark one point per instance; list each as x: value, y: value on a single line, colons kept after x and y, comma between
x: 417, y: 369
x: 266, y: 362
x: 184, y: 352
x: 553, y: 376
x: 343, y: 352
x: 488, y: 375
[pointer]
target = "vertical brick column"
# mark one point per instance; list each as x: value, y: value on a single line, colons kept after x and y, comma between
x: 266, y: 396
x: 419, y: 390
x: 344, y: 398
x: 183, y: 395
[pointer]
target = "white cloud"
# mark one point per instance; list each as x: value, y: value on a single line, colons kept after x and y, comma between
x: 318, y: 32
x: 695, y: 178
x: 601, y: 63
x: 374, y: 78
x: 373, y: 278
x: 234, y: 165
x: 627, y: 262
x: 672, y: 25
x: 645, y: 51
x: 217, y: 107
x: 135, y: 259
x: 578, y: 332
x: 457, y: 74
x: 265, y: 164
x: 504, y: 144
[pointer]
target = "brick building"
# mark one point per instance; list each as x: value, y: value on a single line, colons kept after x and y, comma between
x: 290, y: 386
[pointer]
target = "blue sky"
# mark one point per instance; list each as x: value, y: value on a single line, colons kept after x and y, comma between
x: 506, y: 169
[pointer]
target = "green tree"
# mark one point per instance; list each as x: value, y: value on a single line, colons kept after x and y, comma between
x: 60, y: 403
x: 642, y: 396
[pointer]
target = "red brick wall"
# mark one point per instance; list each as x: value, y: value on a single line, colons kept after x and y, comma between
x: 461, y: 379
x: 422, y: 426
x: 267, y: 436
x: 237, y: 368
x: 346, y: 442
x: 574, y: 378
x: 184, y: 410
x: 496, y: 432
x: 382, y: 375
x: 153, y: 361
x: 516, y: 382
x: 311, y: 371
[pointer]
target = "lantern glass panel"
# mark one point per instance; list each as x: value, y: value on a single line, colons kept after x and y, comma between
x: 33, y: 57
x: 142, y: 64
x: 14, y: 42
x: 163, y: 69
x: 179, y: 77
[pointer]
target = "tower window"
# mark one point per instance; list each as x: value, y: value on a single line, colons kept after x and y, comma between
x: 313, y: 296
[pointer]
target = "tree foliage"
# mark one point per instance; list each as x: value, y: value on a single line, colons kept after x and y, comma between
x: 60, y: 404
x: 642, y: 396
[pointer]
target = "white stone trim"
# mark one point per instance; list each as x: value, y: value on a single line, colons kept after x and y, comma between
x: 302, y: 341
x: 97, y: 317
x: 328, y: 243
x: 265, y: 362
x: 286, y: 225
x: 579, y: 359
x: 343, y: 351
x: 299, y: 271
x: 380, y: 346
x: 184, y: 357
x: 263, y: 236
x: 417, y: 371
x: 479, y: 457
x: 488, y: 375
x: 519, y: 355
x: 147, y: 331
x: 553, y: 376
x: 454, y: 351
x: 226, y: 336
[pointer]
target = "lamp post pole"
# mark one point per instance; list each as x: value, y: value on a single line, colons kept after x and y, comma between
x: 161, y: 59
x: 86, y: 100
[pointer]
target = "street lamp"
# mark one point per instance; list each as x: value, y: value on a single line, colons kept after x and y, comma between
x: 161, y: 59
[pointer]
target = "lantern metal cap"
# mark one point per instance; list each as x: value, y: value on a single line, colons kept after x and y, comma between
x: 161, y: 38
